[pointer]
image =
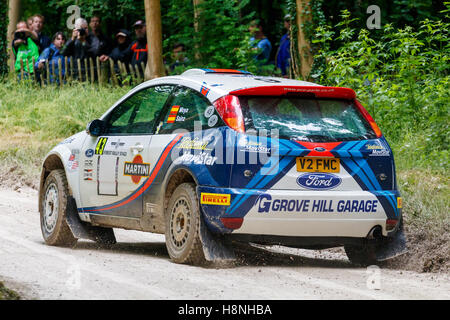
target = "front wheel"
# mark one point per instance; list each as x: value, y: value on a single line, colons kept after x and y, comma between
x: 183, y: 226
x: 53, y: 208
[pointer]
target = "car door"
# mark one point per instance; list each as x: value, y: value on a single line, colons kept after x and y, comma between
x: 116, y: 164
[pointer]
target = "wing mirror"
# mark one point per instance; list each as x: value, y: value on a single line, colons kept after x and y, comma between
x: 96, y: 127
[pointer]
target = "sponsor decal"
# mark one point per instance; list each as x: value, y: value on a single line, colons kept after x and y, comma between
x: 380, y: 153
x: 67, y: 141
x: 319, y: 181
x: 100, y: 145
x: 399, y: 202
x: 204, y: 90
x: 215, y: 199
x: 75, y: 151
x: 264, y: 204
x: 196, y: 144
x: 115, y: 153
x: 202, y: 158
x: 72, y: 164
x: 151, y: 207
x: 374, y: 147
x: 117, y: 144
x: 136, y: 169
x: 89, y: 153
x: 209, y: 111
x: 252, y: 146
x: 212, y: 121
x: 88, y: 174
x: 89, y: 163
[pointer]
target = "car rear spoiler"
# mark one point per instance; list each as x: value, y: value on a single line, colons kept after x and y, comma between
x: 311, y: 91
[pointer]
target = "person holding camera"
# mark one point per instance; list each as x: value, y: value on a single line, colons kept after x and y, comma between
x: 79, y: 46
x: 52, y: 55
x: 24, y: 49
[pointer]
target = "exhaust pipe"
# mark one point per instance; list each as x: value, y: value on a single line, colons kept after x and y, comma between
x: 375, y: 233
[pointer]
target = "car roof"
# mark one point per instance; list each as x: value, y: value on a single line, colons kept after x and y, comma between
x: 217, y: 84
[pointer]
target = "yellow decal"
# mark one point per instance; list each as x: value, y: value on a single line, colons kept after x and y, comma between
x: 215, y: 199
x: 100, y: 145
x: 399, y: 202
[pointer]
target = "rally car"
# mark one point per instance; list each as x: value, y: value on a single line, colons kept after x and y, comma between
x: 215, y: 157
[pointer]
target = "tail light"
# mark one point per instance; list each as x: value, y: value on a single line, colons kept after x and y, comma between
x: 391, y: 224
x: 369, y: 118
x: 230, y: 110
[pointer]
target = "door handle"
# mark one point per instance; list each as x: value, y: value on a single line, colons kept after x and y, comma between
x: 138, y: 147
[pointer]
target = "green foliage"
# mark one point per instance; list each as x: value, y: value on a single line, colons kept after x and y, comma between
x: 402, y: 78
x: 3, y: 38
x: 222, y: 39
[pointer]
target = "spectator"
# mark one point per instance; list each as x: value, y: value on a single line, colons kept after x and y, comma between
x: 52, y: 55
x: 178, y: 57
x: 37, y: 25
x: 284, y: 55
x: 260, y: 42
x: 24, y: 49
x: 119, y: 53
x: 78, y: 47
x: 139, y: 48
x: 29, y: 22
x: 100, y: 45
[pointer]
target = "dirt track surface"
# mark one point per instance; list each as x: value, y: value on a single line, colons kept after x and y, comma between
x: 138, y: 267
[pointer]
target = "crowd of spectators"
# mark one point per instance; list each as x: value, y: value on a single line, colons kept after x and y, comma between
x: 33, y: 49
x: 86, y: 41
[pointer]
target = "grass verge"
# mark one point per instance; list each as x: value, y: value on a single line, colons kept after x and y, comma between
x: 7, y: 294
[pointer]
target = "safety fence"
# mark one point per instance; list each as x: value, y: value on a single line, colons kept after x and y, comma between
x: 69, y: 70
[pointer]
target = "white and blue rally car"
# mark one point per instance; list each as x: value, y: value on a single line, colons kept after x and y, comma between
x: 215, y: 157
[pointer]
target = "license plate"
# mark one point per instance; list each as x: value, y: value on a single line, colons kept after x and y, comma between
x: 318, y: 164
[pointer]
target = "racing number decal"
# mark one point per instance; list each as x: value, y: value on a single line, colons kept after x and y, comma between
x: 100, y: 146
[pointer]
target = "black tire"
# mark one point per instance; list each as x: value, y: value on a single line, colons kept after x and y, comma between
x: 361, y: 255
x: 54, y: 227
x: 183, y: 221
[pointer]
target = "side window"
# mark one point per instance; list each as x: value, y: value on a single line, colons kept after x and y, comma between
x: 137, y: 114
x: 188, y: 108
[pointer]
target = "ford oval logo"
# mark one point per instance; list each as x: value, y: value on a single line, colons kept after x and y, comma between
x: 319, y: 181
x: 320, y: 149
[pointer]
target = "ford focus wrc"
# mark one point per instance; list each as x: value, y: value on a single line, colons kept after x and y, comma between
x: 215, y: 157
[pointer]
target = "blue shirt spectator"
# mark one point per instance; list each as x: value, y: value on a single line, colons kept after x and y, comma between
x: 265, y: 48
x: 284, y: 55
x: 52, y: 55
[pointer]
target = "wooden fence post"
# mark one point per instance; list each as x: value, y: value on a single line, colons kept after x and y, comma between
x: 113, y: 72
x: 91, y: 65
x: 60, y: 72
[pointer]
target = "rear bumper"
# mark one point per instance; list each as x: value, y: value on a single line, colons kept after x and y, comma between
x: 293, y: 213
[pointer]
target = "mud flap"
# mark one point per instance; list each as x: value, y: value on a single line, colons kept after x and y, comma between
x: 82, y: 230
x: 214, y: 247
x: 392, y: 247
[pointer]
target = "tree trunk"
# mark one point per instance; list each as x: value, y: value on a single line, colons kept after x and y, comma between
x: 13, y: 16
x: 304, y: 47
x: 155, y: 66
x: 197, y: 23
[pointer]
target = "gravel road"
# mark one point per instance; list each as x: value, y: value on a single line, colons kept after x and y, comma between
x: 138, y: 267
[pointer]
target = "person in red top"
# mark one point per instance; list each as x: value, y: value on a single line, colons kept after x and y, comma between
x: 139, y: 47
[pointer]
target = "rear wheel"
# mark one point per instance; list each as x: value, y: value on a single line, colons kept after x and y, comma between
x: 53, y: 209
x: 362, y: 255
x: 183, y: 226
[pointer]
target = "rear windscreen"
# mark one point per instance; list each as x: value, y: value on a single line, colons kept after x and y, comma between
x: 306, y: 119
